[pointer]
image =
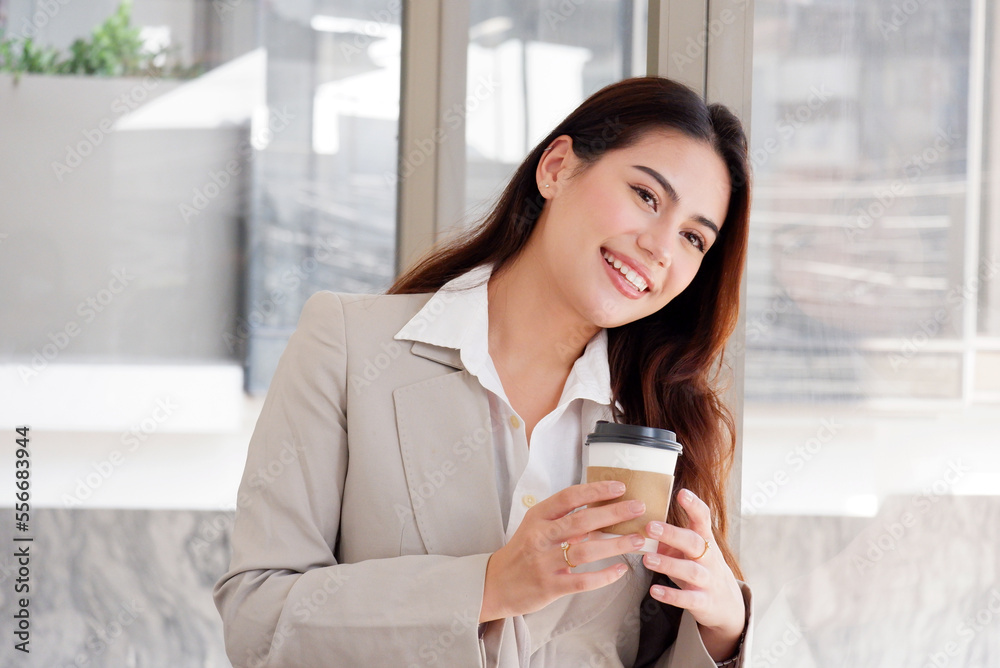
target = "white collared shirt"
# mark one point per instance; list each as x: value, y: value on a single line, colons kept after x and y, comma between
x: 457, y: 317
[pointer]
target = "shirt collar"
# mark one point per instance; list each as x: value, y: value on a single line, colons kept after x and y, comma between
x: 456, y: 317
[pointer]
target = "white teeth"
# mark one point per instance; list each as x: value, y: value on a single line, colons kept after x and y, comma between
x: 630, y: 275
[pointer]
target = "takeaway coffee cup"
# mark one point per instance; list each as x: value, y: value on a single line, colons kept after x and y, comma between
x: 644, y: 459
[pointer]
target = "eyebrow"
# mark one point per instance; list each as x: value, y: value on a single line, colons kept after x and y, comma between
x: 672, y: 194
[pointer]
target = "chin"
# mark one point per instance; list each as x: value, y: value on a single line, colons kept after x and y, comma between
x: 602, y: 317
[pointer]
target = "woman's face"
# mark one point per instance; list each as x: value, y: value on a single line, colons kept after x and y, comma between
x: 653, y: 209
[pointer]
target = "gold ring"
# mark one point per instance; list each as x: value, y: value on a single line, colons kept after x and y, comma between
x: 565, y: 549
x: 703, y: 552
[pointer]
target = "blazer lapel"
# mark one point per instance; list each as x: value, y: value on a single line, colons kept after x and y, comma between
x: 446, y: 443
x: 448, y: 356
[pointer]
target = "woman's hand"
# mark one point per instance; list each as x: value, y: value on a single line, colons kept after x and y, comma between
x: 530, y: 571
x: 708, y: 588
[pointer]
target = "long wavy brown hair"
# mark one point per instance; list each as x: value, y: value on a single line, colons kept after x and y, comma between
x: 665, y: 368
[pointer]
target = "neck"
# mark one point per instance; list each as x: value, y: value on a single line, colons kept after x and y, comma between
x: 533, y: 331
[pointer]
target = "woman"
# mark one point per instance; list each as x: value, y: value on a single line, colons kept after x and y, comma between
x: 412, y: 493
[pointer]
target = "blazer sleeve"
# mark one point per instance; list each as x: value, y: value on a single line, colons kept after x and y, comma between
x: 688, y: 650
x: 285, y: 600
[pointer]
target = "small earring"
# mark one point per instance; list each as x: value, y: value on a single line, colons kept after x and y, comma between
x: 547, y: 149
x: 546, y: 185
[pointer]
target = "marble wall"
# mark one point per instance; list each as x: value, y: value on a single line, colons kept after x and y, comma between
x: 917, y: 586
x: 120, y: 588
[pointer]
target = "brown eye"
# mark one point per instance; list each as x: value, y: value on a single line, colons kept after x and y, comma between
x: 646, y: 196
x: 695, y: 239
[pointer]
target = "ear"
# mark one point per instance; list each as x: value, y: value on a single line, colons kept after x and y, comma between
x: 555, y: 166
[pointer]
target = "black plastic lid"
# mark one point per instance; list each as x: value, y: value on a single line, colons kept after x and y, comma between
x: 611, y: 432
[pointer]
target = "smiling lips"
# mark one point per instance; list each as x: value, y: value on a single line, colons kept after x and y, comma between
x: 630, y: 274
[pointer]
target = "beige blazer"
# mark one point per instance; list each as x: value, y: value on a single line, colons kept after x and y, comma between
x: 368, y: 510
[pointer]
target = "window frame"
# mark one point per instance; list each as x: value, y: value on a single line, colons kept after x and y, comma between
x: 434, y: 53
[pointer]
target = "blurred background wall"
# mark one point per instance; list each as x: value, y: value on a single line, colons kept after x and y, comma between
x: 159, y: 235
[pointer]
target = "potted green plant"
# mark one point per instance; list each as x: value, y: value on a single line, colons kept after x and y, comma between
x: 114, y: 49
x: 92, y: 184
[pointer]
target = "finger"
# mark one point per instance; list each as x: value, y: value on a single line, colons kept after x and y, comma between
x: 577, y: 582
x: 689, y: 599
x: 566, y: 501
x: 686, y: 542
x: 596, y: 549
x: 698, y: 512
x: 681, y: 571
x: 655, y: 530
x: 594, y: 519
x: 668, y: 551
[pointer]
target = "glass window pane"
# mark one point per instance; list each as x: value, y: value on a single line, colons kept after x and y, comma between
x: 123, y: 186
x: 872, y: 420
x: 323, y: 215
x: 546, y: 56
x: 122, y: 223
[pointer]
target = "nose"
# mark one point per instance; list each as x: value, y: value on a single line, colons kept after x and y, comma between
x: 657, y: 242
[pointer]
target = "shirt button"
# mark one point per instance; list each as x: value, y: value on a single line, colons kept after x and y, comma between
x: 528, y: 500
x: 514, y: 422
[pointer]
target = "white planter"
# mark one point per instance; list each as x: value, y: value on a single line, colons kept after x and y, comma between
x: 81, y: 200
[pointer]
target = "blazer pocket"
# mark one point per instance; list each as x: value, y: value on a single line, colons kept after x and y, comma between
x: 409, y: 537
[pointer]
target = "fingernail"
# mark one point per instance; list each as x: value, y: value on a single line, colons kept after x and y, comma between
x: 686, y: 495
x: 637, y: 506
x: 654, y: 529
x: 638, y: 541
x: 657, y: 590
x: 616, y: 487
x: 620, y: 569
x: 653, y: 559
